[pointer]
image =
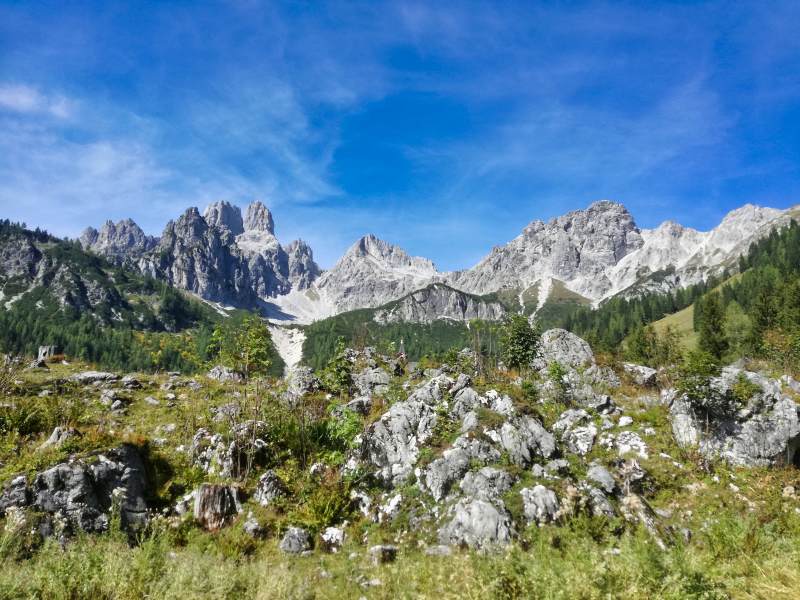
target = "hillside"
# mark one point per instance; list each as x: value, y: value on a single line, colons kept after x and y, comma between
x: 54, y: 293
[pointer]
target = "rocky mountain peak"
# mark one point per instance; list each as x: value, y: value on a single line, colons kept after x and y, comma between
x: 302, y: 268
x: 387, y: 254
x: 124, y: 239
x: 224, y: 215
x: 259, y: 218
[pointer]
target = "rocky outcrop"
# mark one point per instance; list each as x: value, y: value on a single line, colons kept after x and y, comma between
x: 83, y: 492
x: 439, y: 301
x: 765, y: 431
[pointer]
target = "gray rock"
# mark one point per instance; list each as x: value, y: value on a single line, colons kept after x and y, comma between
x: 84, y: 492
x: 59, y: 436
x: 87, y: 377
x: 598, y: 502
x: 372, y: 381
x: 295, y: 541
x: 443, y: 472
x: 16, y: 494
x: 332, y: 539
x: 487, y: 483
x: 602, y: 477
x: 465, y: 400
x: 269, y: 488
x: 216, y: 505
x: 565, y: 348
x: 524, y: 440
x: 478, y: 524
x: 641, y: 375
x: 766, y: 432
x: 224, y: 375
x: 253, y: 528
x: 130, y: 382
x: 302, y: 381
x: 540, y: 504
x: 392, y: 442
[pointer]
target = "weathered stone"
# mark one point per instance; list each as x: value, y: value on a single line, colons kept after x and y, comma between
x: 295, y: 541
x: 372, y: 381
x: 478, y: 524
x: 641, y: 375
x: 487, y: 483
x: 540, y: 504
x: 602, y: 477
x: 392, y: 442
x: 269, y: 488
x: 59, y: 436
x: 332, y: 539
x: 216, y: 505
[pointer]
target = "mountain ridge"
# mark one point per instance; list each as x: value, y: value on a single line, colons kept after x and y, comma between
x: 595, y: 252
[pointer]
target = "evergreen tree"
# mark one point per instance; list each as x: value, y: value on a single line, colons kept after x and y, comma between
x: 712, y: 327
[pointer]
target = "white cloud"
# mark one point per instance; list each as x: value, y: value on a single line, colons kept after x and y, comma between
x: 21, y: 98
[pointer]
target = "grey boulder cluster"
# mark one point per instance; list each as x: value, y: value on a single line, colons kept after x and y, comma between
x: 466, y: 488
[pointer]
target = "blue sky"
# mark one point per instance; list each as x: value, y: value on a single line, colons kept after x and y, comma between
x: 445, y: 127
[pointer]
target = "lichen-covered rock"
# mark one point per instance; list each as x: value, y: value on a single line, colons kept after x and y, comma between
x: 540, y: 504
x: 216, y: 505
x: 477, y: 523
x: 295, y: 541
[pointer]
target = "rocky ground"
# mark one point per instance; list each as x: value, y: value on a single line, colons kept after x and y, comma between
x: 428, y: 479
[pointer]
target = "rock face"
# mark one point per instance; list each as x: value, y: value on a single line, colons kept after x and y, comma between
x: 439, y: 301
x: 118, y: 241
x: 83, y: 492
x: 764, y: 432
x: 302, y: 270
x: 577, y: 248
x: 194, y: 256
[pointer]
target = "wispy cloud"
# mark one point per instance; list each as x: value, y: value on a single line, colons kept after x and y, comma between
x: 23, y: 98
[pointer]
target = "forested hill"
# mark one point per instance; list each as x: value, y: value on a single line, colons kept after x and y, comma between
x: 54, y: 293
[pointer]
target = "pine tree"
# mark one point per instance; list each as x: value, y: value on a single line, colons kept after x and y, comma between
x: 712, y: 327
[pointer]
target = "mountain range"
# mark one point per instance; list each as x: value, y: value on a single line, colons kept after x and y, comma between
x: 589, y: 255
